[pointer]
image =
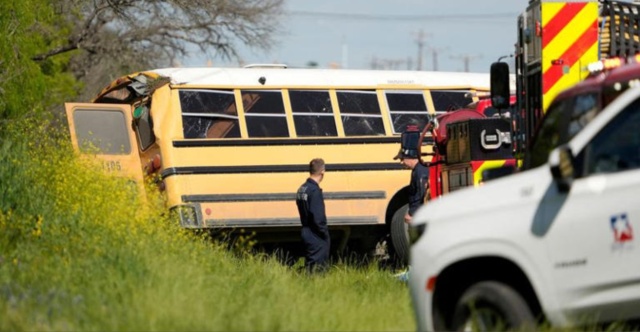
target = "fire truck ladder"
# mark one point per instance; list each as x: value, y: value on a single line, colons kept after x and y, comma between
x: 620, y: 29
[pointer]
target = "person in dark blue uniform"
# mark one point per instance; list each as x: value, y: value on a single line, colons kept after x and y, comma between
x: 409, y: 156
x: 419, y: 183
x: 418, y: 189
x: 315, y: 233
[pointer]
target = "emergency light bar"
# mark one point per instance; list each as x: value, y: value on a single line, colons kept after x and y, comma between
x: 611, y: 63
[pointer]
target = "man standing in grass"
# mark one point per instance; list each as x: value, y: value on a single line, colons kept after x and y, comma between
x: 315, y: 233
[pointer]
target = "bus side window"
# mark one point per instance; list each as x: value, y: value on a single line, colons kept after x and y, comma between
x: 360, y: 112
x: 312, y: 113
x: 143, y: 124
x: 406, y: 108
x: 209, y: 114
x: 449, y: 100
x: 264, y: 112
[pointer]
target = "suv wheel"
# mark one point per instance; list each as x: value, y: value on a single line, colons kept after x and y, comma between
x: 492, y: 306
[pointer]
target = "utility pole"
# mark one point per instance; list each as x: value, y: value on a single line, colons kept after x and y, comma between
x: 466, y: 59
x: 420, y: 41
x: 374, y: 63
x: 434, y: 55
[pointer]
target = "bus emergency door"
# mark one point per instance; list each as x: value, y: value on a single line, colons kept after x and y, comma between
x: 105, y: 131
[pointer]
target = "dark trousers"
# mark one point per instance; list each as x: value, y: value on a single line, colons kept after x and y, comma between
x: 317, y: 250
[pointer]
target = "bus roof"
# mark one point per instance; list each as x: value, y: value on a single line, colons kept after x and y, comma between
x: 281, y: 77
x: 269, y: 77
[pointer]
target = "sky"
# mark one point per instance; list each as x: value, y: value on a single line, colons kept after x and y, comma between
x: 443, y: 35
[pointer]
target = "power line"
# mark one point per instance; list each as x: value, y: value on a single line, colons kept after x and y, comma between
x: 385, y: 17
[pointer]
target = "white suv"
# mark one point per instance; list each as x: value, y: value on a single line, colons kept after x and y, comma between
x: 555, y: 243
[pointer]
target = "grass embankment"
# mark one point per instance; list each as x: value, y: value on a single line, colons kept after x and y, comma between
x: 81, y: 251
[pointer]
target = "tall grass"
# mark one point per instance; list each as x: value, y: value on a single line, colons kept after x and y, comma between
x: 80, y: 250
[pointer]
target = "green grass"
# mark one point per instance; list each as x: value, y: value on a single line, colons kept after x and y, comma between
x: 82, y: 251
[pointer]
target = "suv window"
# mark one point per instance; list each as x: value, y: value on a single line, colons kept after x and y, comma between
x: 583, y: 111
x: 563, y: 120
x: 617, y: 147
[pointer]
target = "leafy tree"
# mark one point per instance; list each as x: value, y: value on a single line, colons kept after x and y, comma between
x: 117, y: 37
x: 28, y: 27
x: 167, y: 27
x: 48, y: 46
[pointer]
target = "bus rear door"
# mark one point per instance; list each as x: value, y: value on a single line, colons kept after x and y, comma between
x: 104, y: 130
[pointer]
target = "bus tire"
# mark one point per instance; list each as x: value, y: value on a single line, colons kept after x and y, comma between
x: 400, y: 235
x: 492, y: 306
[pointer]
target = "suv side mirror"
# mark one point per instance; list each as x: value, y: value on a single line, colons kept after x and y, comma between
x: 561, y: 163
x: 500, y: 90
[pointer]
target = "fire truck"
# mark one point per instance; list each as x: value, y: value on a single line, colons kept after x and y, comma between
x: 468, y: 147
x: 462, y: 147
x: 465, y: 146
x: 556, y: 41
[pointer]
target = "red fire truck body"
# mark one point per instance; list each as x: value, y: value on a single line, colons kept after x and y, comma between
x: 466, y: 143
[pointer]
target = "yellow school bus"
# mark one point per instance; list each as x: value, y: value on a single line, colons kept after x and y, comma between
x: 230, y: 146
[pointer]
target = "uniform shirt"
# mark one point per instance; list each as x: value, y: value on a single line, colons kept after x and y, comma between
x: 310, y: 202
x: 417, y: 187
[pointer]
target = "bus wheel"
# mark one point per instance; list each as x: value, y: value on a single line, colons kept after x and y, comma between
x: 492, y: 306
x: 400, y: 235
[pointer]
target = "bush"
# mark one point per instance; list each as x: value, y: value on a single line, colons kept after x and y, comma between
x: 80, y: 250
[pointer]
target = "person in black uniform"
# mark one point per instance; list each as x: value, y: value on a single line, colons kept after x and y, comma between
x: 315, y: 233
x: 419, y: 184
x: 409, y: 156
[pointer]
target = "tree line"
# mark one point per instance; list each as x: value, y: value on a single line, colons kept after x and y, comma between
x: 54, y: 51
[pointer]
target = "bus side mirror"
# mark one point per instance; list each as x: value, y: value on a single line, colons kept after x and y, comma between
x: 500, y: 90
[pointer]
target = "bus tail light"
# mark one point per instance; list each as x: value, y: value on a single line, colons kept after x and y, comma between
x: 154, y: 164
x: 153, y: 167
